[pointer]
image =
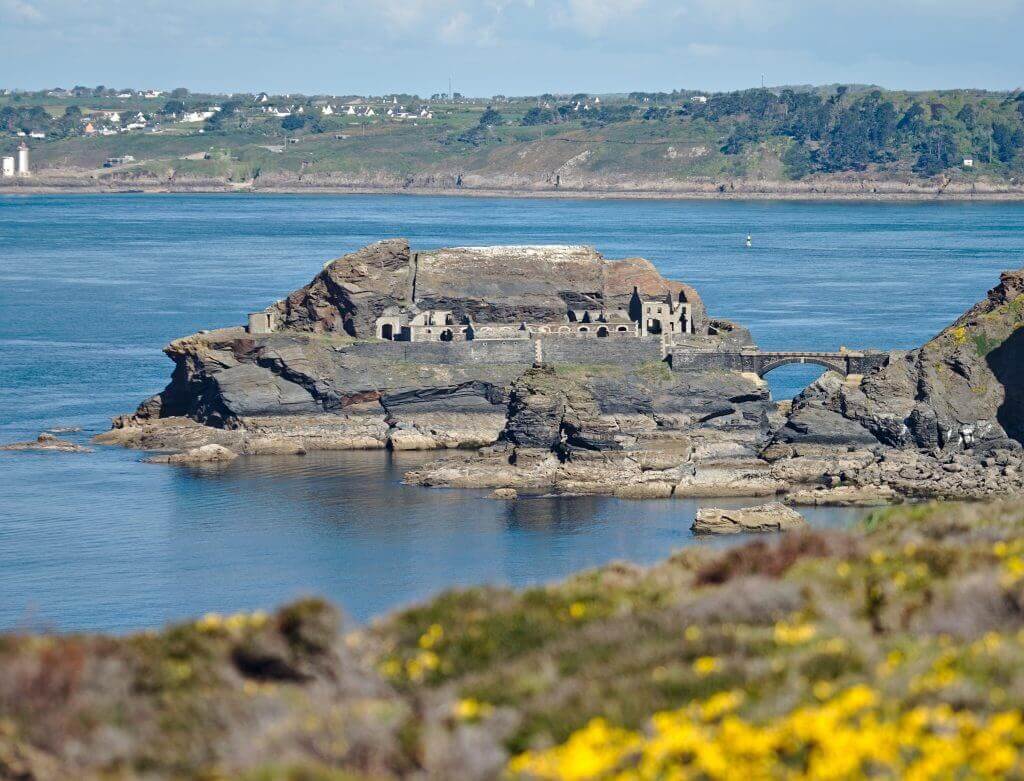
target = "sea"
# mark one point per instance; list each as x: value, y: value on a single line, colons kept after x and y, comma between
x: 93, y: 286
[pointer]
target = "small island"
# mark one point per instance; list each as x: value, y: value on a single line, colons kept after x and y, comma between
x: 551, y: 368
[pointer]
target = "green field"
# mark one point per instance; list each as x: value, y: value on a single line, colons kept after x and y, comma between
x: 577, y: 142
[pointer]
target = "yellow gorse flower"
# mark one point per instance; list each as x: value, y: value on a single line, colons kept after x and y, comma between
x: 705, y: 665
x: 432, y: 636
x: 853, y: 734
x: 794, y: 634
x: 470, y: 709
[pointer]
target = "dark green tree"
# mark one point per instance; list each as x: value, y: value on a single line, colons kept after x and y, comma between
x: 539, y: 116
x: 798, y: 161
x: 491, y: 118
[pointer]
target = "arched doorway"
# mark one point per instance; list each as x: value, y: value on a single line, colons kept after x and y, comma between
x: 654, y: 326
x: 602, y: 331
x: 387, y: 331
x: 446, y: 335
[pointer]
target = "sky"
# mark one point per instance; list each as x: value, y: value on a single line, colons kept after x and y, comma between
x: 510, y: 47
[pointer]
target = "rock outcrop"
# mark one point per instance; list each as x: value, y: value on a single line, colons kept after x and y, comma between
x: 321, y: 380
x: 771, y: 517
x: 505, y: 284
x: 46, y: 442
x: 205, y: 454
x: 963, y: 390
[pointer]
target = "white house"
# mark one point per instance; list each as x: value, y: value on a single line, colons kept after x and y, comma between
x: 7, y: 166
x: 351, y: 111
x: 968, y: 162
x: 327, y: 110
x: 197, y: 116
x: 699, y: 99
x: 153, y: 93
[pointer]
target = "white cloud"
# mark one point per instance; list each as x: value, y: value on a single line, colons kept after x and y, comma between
x: 593, y: 17
x: 19, y: 11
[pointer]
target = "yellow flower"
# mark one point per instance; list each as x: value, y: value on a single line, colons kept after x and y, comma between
x: 720, y: 703
x: 794, y: 634
x: 823, y: 690
x: 589, y: 753
x: 705, y: 665
x: 432, y: 636
x: 577, y: 610
x: 471, y: 710
x: 210, y: 622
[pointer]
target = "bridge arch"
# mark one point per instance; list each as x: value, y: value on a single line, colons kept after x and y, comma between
x: 774, y: 362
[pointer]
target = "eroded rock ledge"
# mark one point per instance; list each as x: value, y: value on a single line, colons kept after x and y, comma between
x: 593, y: 415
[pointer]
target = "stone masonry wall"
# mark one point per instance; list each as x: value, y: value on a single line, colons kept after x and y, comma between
x: 629, y: 352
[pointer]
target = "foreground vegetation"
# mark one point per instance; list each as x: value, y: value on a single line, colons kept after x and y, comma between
x: 577, y: 141
x: 895, y: 650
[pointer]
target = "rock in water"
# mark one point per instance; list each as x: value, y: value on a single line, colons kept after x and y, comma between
x: 47, y: 442
x: 772, y: 517
x: 206, y: 454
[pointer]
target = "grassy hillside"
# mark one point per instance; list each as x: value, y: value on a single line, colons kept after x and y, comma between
x: 573, y: 142
x: 895, y: 650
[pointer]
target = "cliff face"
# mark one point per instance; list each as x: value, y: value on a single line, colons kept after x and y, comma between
x: 962, y: 389
x: 495, y: 284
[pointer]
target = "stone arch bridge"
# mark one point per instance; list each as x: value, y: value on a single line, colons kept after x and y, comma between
x: 760, y: 362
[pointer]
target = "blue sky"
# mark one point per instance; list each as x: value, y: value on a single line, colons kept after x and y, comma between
x: 508, y: 46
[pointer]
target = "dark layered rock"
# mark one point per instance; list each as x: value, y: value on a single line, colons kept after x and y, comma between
x: 352, y: 292
x: 551, y: 412
x: 962, y: 390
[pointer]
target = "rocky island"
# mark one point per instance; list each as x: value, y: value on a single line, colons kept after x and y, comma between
x: 550, y: 368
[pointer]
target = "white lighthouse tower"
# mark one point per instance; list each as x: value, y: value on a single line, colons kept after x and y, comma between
x: 21, y: 167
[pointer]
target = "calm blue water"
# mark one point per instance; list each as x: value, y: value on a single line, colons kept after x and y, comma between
x: 91, y: 287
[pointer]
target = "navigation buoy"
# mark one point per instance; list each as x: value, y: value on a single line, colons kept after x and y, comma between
x: 750, y: 241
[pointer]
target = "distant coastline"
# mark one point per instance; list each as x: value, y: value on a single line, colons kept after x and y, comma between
x: 880, y: 192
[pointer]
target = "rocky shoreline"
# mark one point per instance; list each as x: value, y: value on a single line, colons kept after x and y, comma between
x: 537, y: 411
x: 826, y: 190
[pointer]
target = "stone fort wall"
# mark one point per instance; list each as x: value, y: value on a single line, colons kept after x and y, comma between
x: 625, y: 352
